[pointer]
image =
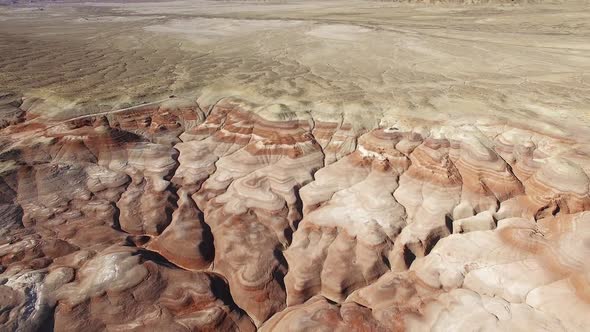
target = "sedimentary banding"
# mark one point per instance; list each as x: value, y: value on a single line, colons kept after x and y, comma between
x: 240, y: 217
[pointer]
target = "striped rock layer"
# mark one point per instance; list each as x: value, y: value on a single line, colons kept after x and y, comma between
x: 187, y: 217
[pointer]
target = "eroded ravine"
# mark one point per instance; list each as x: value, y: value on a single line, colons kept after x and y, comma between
x: 244, y: 217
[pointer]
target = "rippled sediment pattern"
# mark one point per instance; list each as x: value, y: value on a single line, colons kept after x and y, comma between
x: 195, y: 217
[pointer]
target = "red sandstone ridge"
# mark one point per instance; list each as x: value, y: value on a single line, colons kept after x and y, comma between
x: 177, y: 217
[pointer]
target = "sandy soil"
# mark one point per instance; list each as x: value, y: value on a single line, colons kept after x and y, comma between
x: 372, y: 62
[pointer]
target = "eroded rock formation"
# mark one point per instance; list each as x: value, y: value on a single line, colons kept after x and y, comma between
x: 233, y: 216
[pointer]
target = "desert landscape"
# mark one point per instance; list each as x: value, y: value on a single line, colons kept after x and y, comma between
x: 294, y: 165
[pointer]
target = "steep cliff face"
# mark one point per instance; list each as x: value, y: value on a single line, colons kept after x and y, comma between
x: 179, y: 216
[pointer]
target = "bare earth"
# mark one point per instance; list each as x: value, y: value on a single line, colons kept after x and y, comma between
x: 294, y: 166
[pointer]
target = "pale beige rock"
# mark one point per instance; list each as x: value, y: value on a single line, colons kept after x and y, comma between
x: 348, y: 238
x: 483, y: 221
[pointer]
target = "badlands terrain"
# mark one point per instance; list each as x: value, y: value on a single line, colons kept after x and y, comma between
x: 294, y: 166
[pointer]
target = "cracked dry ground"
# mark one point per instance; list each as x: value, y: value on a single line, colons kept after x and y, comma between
x: 187, y: 217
